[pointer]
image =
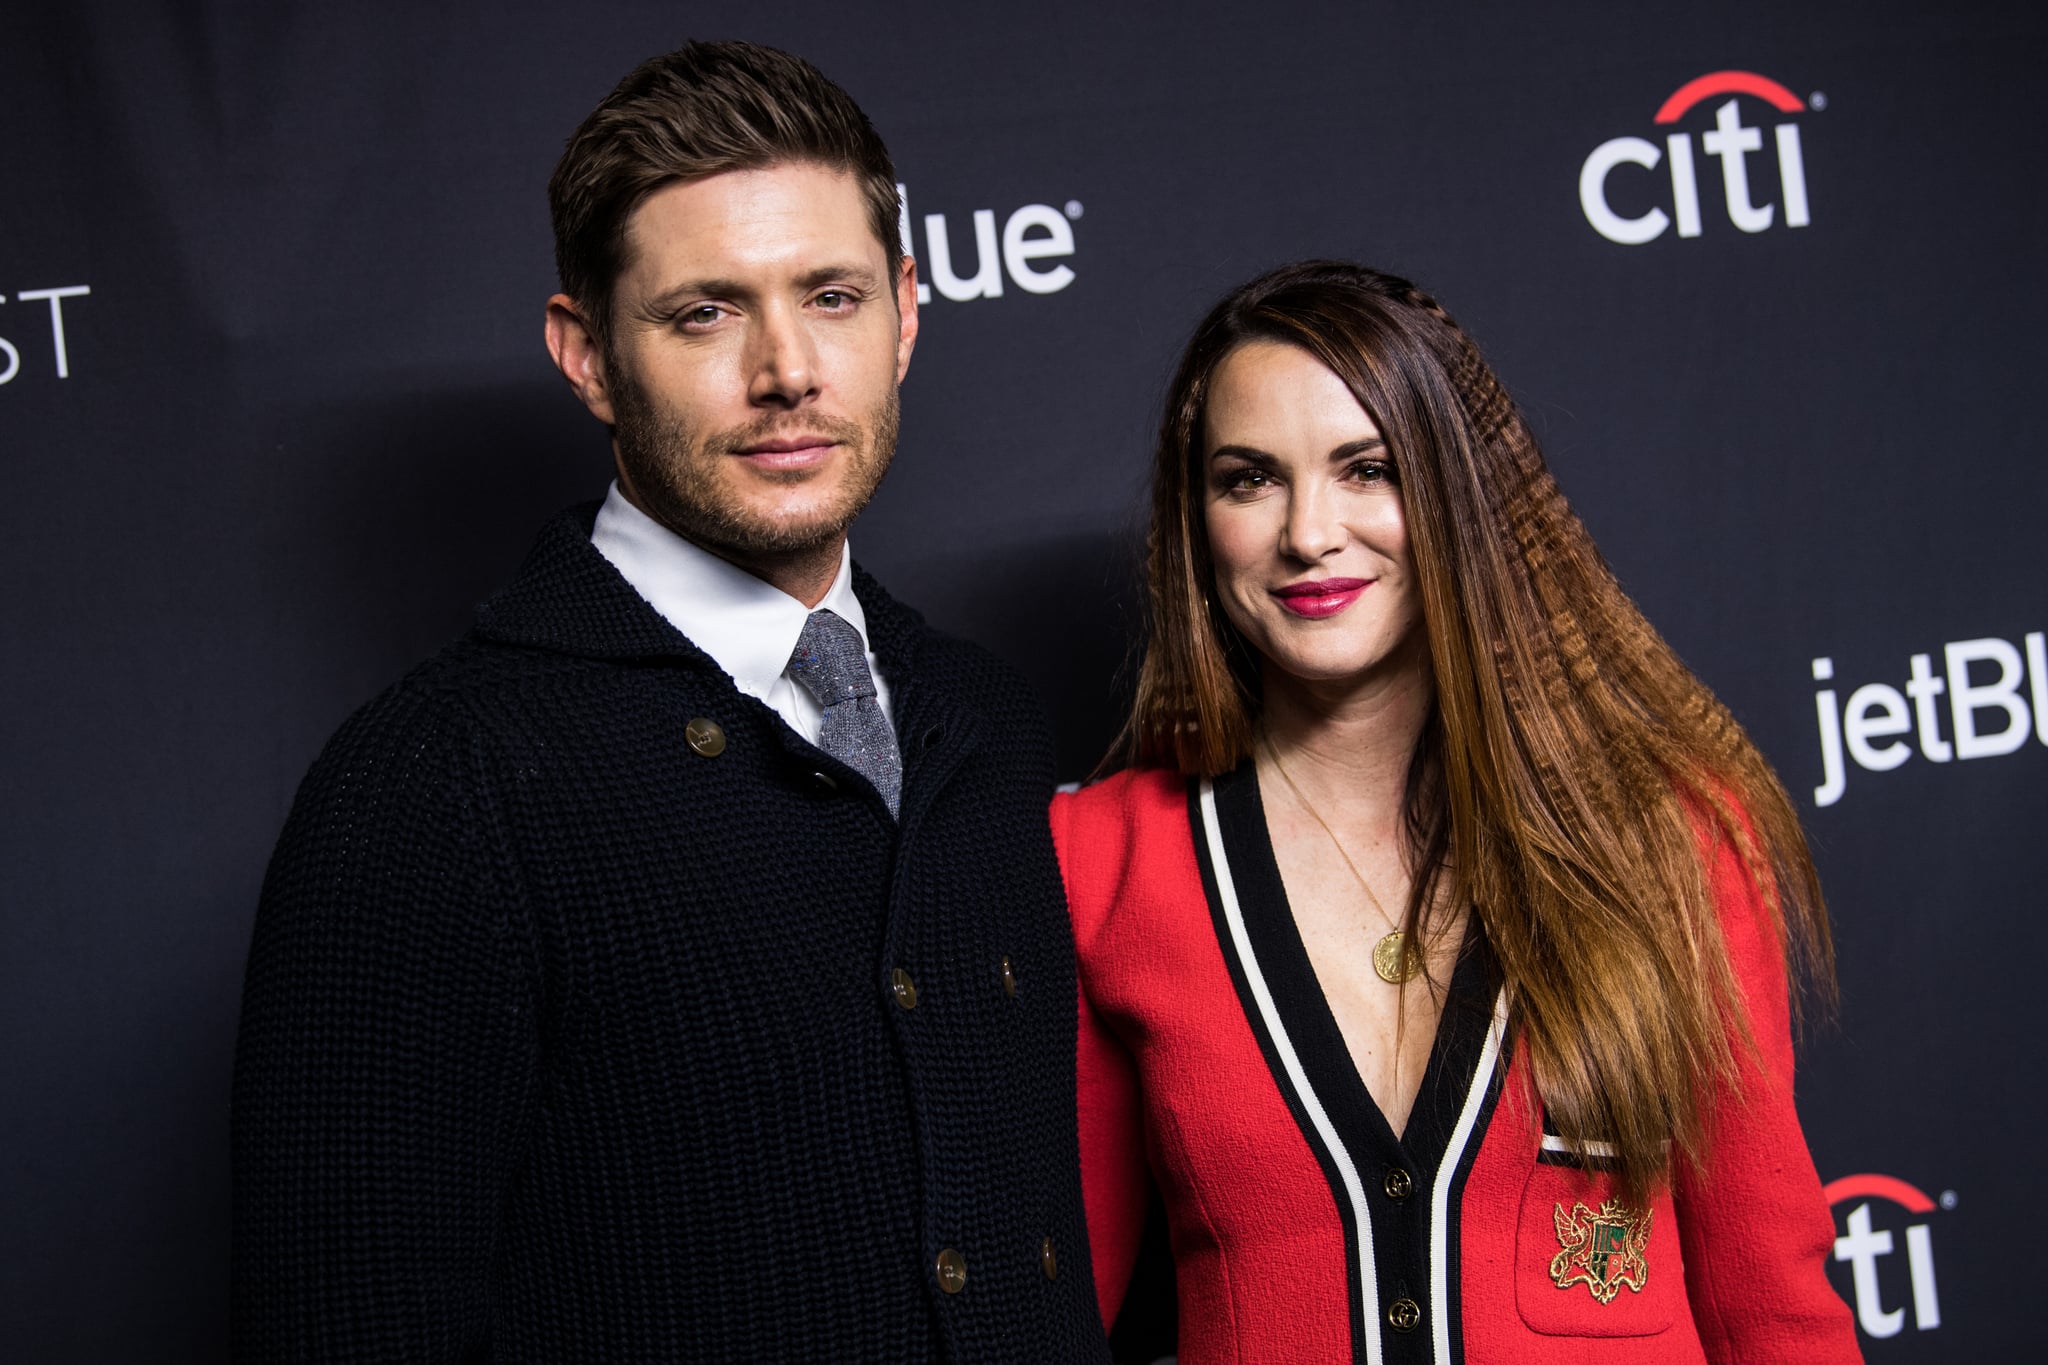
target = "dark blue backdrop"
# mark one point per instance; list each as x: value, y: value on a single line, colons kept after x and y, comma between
x: 304, y: 420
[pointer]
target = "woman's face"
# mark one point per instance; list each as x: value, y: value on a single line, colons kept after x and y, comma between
x: 1305, y: 523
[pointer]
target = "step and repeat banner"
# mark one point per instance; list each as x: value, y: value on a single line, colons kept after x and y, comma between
x: 274, y: 414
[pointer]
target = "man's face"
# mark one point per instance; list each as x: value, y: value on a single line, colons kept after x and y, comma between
x: 758, y: 336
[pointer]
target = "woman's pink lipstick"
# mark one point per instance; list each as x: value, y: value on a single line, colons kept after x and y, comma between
x: 1321, y: 597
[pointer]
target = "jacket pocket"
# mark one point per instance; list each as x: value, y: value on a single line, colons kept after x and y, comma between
x: 1588, y: 1264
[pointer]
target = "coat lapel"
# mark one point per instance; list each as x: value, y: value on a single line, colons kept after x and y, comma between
x: 936, y: 729
x: 568, y: 599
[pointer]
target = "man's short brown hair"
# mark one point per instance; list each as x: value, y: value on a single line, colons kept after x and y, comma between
x: 701, y: 110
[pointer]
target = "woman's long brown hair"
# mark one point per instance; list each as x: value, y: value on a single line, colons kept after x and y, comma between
x: 1574, y: 775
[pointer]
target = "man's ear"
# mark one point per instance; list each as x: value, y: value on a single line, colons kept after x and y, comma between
x: 906, y: 313
x: 579, y: 357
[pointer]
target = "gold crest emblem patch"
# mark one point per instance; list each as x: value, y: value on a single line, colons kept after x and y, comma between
x: 1604, y: 1249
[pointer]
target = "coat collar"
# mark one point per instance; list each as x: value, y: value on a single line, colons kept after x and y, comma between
x: 568, y: 599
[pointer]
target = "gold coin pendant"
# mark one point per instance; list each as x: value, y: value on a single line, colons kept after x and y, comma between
x: 1392, y: 960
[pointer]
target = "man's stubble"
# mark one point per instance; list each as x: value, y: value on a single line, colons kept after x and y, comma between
x: 673, y: 469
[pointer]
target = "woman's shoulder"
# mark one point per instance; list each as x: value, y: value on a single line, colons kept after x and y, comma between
x: 1133, y: 793
x: 1128, y: 828
x: 1751, y: 926
x: 1737, y: 888
x: 1108, y: 814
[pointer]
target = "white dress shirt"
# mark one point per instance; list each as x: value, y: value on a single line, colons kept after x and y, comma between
x: 747, y: 626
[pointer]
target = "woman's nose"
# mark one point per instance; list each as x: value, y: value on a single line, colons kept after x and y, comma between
x: 1313, y: 528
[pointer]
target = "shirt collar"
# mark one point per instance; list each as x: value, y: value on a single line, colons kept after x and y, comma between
x: 748, y: 626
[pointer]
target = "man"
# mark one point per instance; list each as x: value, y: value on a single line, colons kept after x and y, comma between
x: 675, y: 968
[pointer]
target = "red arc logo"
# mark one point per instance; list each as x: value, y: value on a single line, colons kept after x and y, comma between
x: 1727, y: 83
x: 1898, y: 1191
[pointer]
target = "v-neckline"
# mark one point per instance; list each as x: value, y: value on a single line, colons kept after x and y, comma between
x: 1461, y: 1029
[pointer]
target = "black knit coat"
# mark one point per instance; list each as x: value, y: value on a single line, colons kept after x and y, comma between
x: 563, y: 1041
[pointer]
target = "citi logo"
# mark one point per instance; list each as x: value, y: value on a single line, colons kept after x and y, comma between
x: 1862, y: 1244
x: 1730, y: 140
x: 1989, y: 717
x: 1033, y: 233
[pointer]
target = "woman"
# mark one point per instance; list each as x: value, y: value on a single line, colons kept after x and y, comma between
x: 1434, y: 946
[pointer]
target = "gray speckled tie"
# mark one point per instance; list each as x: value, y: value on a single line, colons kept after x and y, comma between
x: 832, y: 665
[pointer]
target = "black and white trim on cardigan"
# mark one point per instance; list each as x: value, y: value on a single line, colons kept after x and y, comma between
x: 1394, y: 1248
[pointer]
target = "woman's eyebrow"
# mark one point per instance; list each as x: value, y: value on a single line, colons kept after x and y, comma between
x: 1365, y: 445
x: 1359, y: 447
x: 1238, y: 452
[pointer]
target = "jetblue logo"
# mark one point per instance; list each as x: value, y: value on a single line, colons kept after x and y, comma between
x: 1730, y: 141
x: 1997, y: 694
x: 1035, y: 242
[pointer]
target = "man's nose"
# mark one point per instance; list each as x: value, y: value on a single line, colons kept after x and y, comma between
x: 782, y: 360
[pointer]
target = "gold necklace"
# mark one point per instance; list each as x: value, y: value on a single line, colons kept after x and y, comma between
x: 1393, y: 961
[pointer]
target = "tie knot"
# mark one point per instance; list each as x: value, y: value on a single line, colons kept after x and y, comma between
x: 830, y: 661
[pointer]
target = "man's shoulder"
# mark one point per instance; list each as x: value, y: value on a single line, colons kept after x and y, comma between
x: 563, y: 614
x: 473, y: 687
x: 963, y: 664
x: 424, y: 718
x: 903, y: 640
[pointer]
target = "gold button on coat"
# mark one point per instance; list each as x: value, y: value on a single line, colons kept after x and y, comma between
x: 951, y: 1268
x: 1403, y: 1314
x: 1048, y: 1260
x: 1009, y: 979
x: 903, y: 988
x: 1399, y: 1184
x: 705, y: 737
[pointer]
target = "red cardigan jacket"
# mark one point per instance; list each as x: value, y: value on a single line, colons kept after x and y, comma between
x: 1304, y: 1230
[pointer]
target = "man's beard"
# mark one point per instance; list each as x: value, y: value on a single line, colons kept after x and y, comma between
x: 675, y: 472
